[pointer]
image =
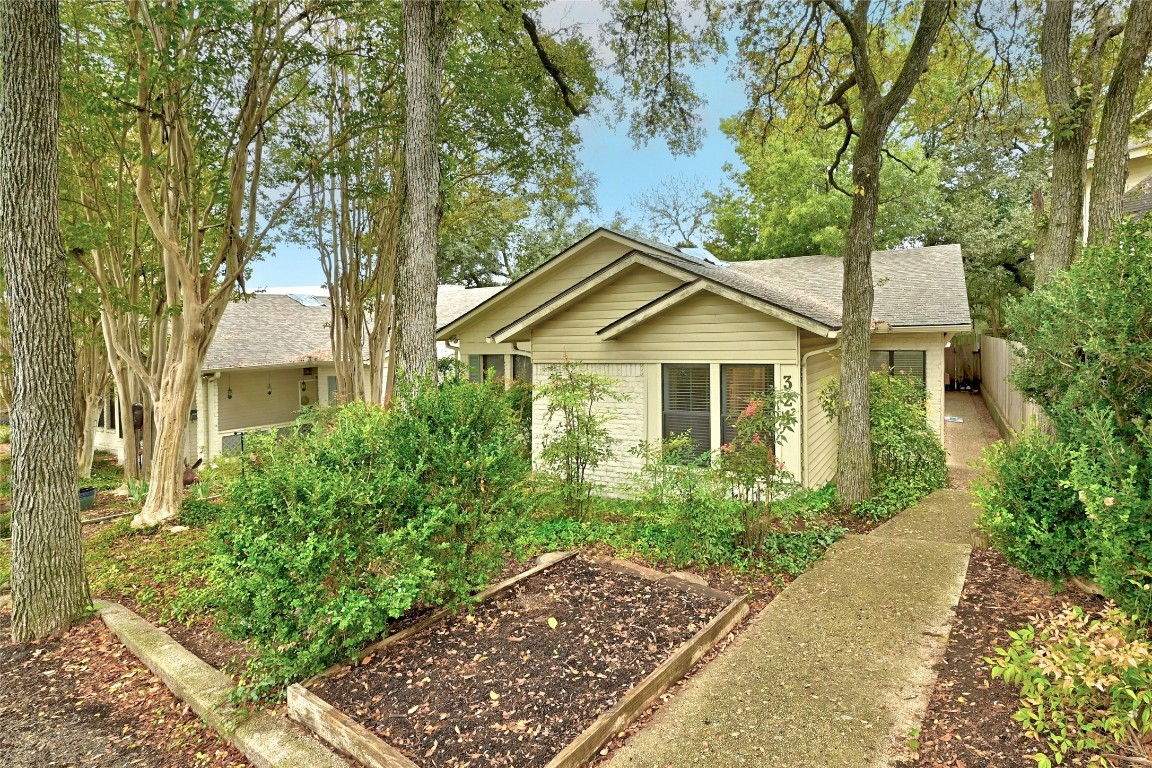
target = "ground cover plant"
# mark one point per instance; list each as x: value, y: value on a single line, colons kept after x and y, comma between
x: 1085, y: 684
x: 332, y: 532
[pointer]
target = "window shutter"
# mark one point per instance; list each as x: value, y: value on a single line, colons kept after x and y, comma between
x: 687, y: 404
x: 739, y: 382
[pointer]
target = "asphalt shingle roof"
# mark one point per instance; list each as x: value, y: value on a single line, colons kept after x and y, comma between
x: 1138, y: 200
x: 914, y: 286
x: 269, y: 330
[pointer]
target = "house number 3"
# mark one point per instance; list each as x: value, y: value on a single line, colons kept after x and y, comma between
x: 787, y: 382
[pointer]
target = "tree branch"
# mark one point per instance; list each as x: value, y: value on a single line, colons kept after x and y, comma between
x: 550, y: 66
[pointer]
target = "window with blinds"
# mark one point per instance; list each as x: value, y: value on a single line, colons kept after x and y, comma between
x: 738, y: 383
x: 480, y: 365
x: 688, y: 403
x: 900, y: 362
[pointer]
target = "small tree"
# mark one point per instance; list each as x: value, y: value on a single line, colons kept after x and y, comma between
x: 579, y: 440
x: 749, y: 464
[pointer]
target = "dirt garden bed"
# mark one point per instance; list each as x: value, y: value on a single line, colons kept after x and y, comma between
x: 85, y: 700
x: 969, y: 721
x: 541, y: 674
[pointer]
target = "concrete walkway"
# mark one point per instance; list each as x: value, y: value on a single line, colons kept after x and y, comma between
x: 838, y: 667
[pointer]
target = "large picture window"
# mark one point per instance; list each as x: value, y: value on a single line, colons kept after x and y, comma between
x: 900, y: 362
x: 738, y: 382
x: 688, y: 403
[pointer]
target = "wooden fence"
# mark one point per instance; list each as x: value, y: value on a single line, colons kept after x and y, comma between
x: 1012, y: 412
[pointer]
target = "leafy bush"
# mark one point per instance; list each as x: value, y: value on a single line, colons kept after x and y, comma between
x: 908, y: 459
x: 334, y: 531
x: 682, y: 511
x: 1085, y: 683
x: 577, y: 439
x: 1029, y: 512
x: 748, y: 466
x: 1087, y: 360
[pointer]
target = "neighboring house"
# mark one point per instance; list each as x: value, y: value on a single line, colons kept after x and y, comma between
x: 271, y: 357
x: 1137, y: 186
x: 689, y: 337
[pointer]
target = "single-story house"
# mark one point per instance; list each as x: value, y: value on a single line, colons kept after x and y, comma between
x: 270, y: 358
x: 688, y: 336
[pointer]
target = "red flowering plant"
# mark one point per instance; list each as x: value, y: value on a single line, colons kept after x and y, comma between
x: 750, y: 465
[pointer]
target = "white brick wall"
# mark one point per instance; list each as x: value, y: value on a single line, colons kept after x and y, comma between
x: 627, y: 424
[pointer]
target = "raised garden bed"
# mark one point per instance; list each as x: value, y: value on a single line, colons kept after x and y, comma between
x: 543, y: 672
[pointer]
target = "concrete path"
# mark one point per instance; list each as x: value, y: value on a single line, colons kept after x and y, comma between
x: 838, y: 667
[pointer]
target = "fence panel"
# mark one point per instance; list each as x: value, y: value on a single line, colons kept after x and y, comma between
x: 1012, y: 412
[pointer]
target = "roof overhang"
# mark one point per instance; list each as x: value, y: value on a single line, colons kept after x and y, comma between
x: 956, y: 328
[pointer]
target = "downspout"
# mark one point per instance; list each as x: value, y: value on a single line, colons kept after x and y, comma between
x: 804, y: 408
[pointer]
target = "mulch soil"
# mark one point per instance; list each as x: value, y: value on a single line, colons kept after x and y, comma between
x: 969, y: 721
x: 515, y: 681
x: 85, y: 700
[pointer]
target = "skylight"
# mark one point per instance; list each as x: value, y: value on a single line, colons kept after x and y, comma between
x: 305, y: 300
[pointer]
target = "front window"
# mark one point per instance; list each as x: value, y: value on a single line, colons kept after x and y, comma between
x: 738, y: 383
x: 900, y: 362
x: 688, y: 404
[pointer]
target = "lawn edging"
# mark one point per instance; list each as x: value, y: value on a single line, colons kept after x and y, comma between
x: 268, y: 740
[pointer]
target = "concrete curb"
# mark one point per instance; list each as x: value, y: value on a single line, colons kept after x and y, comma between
x: 268, y: 740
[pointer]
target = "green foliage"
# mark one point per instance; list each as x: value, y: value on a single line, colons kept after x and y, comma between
x: 5, y: 525
x: 1085, y: 684
x: 165, y: 573
x: 335, y: 530
x: 748, y: 467
x: 1029, y: 512
x: 681, y: 511
x: 783, y: 205
x: 908, y: 459
x: 1087, y: 360
x: 576, y: 438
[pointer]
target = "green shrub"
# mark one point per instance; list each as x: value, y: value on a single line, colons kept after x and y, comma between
x: 681, y: 512
x: 342, y: 526
x: 1029, y: 512
x: 908, y: 459
x: 5, y: 525
x: 1086, y: 358
x: 576, y: 438
x: 1085, y: 684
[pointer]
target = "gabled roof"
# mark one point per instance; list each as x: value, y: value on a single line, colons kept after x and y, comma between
x: 263, y: 330
x: 915, y: 287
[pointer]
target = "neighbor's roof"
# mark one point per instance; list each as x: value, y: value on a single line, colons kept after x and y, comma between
x: 264, y: 329
x: 1138, y: 200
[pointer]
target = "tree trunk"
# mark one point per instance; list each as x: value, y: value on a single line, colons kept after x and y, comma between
x: 1071, y: 115
x: 177, y: 391
x: 426, y: 33
x: 49, y: 589
x: 1110, y: 166
x: 855, y: 473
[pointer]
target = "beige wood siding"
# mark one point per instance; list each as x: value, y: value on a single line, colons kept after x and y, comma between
x: 933, y: 346
x: 703, y: 329
x: 523, y: 299
x: 252, y: 406
x: 820, y: 438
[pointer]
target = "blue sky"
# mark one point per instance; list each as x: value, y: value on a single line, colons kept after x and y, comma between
x: 622, y: 170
